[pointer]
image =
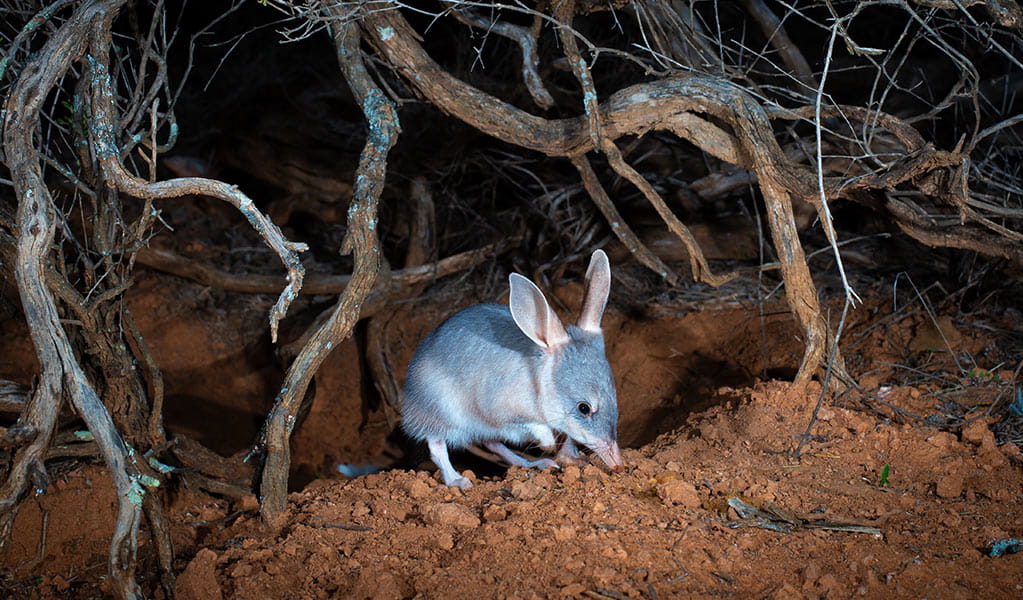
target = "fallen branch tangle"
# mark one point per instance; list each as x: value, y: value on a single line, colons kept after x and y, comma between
x: 87, y: 34
x: 676, y: 104
x: 672, y: 104
x: 723, y: 119
x: 60, y: 372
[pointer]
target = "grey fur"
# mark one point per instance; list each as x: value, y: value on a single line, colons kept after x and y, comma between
x: 480, y: 379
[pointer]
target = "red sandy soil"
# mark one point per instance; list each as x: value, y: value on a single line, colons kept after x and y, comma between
x: 701, y: 424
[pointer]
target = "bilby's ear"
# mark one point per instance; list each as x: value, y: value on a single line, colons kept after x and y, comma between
x: 598, y: 286
x: 533, y: 315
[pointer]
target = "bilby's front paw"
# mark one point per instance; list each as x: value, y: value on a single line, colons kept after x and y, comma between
x: 544, y: 463
x: 566, y: 459
x: 461, y: 483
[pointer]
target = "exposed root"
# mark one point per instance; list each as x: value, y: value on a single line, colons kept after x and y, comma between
x: 360, y: 239
x: 398, y: 284
x: 749, y: 129
x: 60, y: 373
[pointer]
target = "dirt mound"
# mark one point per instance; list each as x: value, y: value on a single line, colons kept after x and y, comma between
x: 701, y: 428
x: 661, y: 530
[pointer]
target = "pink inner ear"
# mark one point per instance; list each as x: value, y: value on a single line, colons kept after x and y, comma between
x: 555, y: 335
x: 598, y: 286
x: 533, y: 315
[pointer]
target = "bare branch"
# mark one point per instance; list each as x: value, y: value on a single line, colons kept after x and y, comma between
x: 361, y: 239
x: 526, y: 39
x: 618, y: 225
x: 317, y: 285
x: 774, y: 31
x: 109, y: 157
x: 60, y: 372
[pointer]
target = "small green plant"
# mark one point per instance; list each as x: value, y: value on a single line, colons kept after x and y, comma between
x: 884, y: 477
x: 982, y: 374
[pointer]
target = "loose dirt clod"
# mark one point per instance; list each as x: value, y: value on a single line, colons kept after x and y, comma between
x: 451, y: 515
x: 198, y: 581
x: 950, y: 486
x: 976, y: 432
x: 678, y: 491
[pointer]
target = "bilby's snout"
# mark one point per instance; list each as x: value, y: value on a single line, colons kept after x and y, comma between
x: 609, y: 453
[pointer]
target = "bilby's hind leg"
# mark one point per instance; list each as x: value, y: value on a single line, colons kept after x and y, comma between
x: 439, y: 455
x: 514, y: 459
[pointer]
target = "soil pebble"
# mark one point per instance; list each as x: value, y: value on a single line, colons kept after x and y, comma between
x: 679, y: 491
x: 198, y: 581
x: 950, y: 486
x: 453, y: 515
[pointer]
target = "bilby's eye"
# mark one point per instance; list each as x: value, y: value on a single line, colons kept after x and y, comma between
x: 584, y: 408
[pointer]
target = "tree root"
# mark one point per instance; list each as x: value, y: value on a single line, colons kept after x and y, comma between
x: 360, y: 239
x: 317, y: 285
x: 60, y: 373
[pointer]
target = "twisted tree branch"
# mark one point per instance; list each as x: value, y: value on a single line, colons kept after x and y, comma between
x: 360, y: 239
x: 60, y: 372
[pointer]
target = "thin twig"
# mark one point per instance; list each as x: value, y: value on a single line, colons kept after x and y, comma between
x: 526, y: 39
x: 109, y: 157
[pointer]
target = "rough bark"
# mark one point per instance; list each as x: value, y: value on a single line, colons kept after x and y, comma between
x: 361, y: 239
